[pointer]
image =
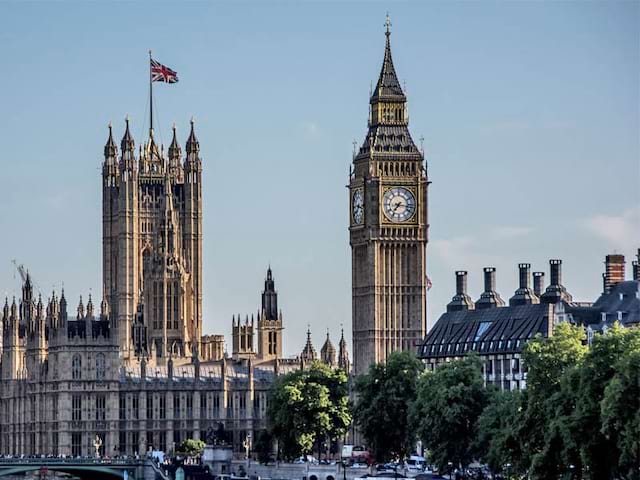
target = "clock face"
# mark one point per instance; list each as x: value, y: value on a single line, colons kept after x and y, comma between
x: 399, y: 204
x: 357, y: 206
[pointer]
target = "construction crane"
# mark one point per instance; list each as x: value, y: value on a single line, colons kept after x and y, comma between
x: 23, y: 274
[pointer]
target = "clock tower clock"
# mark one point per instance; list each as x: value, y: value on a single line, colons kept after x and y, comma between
x: 388, y: 228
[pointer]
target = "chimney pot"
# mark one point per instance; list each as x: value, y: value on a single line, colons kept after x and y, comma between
x: 525, y: 281
x: 489, y: 279
x: 461, y: 282
x: 538, y: 282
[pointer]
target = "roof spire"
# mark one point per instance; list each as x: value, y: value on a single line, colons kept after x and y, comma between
x: 174, y: 148
x: 127, y: 143
x: 110, y: 149
x: 193, y: 146
x: 388, y: 85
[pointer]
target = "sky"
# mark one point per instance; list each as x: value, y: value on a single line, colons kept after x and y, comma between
x: 530, y: 113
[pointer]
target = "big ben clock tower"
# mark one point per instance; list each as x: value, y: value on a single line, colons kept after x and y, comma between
x: 388, y: 228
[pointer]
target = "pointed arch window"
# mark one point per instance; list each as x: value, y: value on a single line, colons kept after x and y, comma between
x: 76, y: 367
x: 101, y: 367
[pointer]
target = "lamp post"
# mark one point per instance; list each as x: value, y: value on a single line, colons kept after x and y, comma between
x: 572, y: 469
x: 450, y: 465
x: 507, y: 467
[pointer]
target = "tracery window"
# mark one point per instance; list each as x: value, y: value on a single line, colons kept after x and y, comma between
x: 76, y: 367
x: 101, y: 367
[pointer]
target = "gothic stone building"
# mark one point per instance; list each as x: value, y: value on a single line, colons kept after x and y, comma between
x: 498, y: 332
x: 388, y: 228
x: 138, y: 374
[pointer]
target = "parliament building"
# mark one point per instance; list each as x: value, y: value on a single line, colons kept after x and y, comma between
x: 135, y: 372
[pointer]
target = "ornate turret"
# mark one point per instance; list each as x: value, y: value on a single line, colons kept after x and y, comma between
x: 328, y: 352
x: 343, y: 354
x: 269, y: 298
x: 80, y: 310
x: 90, y: 307
x: 175, y: 152
x: 127, y: 144
x: 308, y: 352
x: 110, y: 148
x: 193, y: 146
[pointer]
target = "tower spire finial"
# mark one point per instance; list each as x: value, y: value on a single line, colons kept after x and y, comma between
x: 387, y: 25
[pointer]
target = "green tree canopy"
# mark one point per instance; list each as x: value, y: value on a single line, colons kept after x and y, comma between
x: 384, y: 397
x: 547, y: 361
x: 307, y: 407
x: 449, y: 402
x: 190, y: 448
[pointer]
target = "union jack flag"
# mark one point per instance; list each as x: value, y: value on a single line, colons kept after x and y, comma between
x: 162, y: 73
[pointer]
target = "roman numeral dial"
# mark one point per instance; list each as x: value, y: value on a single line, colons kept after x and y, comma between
x: 399, y: 204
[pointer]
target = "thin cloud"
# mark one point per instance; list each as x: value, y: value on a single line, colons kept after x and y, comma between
x: 620, y: 232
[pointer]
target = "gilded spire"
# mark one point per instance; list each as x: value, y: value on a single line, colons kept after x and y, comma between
x: 193, y: 146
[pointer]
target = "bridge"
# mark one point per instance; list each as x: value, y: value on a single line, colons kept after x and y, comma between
x: 85, y: 468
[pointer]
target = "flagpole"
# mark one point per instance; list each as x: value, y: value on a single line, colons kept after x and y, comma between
x: 150, y: 99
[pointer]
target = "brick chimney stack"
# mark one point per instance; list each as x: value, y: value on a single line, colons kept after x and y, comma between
x: 636, y: 267
x: 614, y: 271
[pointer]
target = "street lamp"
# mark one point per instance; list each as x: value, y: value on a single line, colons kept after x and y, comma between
x: 572, y: 468
x: 507, y: 467
x: 450, y: 465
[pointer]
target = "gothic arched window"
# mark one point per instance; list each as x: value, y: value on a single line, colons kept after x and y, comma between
x: 101, y: 367
x: 76, y: 367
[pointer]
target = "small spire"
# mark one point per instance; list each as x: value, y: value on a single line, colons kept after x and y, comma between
x: 174, y: 148
x: 110, y: 149
x: 387, y: 25
x: 127, y: 143
x: 193, y: 146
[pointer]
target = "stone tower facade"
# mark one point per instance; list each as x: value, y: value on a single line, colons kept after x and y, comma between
x: 388, y: 229
x: 152, y: 245
x: 269, y: 322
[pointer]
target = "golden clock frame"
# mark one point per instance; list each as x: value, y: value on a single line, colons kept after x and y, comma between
x: 384, y: 220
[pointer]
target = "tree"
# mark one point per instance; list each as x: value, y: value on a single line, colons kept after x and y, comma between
x: 384, y: 397
x: 620, y: 413
x: 547, y: 361
x: 609, y: 364
x: 190, y: 448
x: 445, y: 414
x: 308, y: 407
x: 498, y: 443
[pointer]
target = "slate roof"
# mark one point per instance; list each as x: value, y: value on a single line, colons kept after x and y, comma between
x: 388, y: 86
x: 621, y: 304
x: 493, y: 330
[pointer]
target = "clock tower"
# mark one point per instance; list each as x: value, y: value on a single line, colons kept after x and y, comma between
x: 388, y: 228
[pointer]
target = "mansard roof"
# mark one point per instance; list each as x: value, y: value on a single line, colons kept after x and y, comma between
x: 489, y: 331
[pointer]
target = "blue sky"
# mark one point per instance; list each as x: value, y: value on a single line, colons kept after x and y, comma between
x: 530, y: 113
